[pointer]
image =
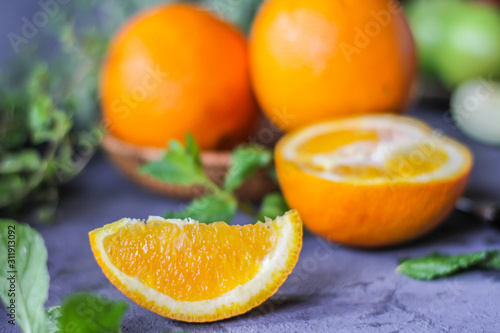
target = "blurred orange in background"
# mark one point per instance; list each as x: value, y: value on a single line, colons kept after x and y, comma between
x: 173, y: 70
x: 312, y: 60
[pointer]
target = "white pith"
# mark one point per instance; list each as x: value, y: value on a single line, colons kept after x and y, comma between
x: 274, y: 262
x: 396, y: 133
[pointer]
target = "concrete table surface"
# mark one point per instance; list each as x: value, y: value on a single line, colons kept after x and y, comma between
x: 332, y: 289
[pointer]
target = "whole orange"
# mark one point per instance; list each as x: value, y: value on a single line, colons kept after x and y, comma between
x: 313, y: 60
x: 176, y: 69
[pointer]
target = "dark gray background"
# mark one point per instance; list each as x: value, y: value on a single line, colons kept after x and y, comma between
x: 331, y: 289
x: 11, y: 14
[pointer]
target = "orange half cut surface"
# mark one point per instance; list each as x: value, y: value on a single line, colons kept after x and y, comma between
x: 374, y: 180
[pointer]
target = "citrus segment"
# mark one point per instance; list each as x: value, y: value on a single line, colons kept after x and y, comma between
x: 192, y: 271
x: 229, y: 256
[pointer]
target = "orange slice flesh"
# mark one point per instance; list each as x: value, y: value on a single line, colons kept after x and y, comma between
x: 198, y: 272
x: 374, y: 149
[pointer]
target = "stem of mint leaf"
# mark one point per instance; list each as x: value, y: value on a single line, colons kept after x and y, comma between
x: 436, y: 265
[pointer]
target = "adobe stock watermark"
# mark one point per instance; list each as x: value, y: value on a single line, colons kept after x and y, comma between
x: 452, y: 291
x: 30, y: 27
x: 409, y: 163
x: 307, y: 267
x: 471, y: 104
x: 139, y: 93
x: 363, y: 36
x: 270, y: 132
x: 89, y: 139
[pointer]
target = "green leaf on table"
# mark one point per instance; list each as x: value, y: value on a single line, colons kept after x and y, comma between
x: 180, y: 165
x: 90, y: 313
x: 273, y: 205
x: 28, y: 251
x: 245, y: 161
x: 436, y: 265
x: 493, y: 260
x: 210, y: 208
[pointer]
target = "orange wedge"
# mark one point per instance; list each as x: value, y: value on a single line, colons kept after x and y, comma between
x: 196, y: 272
x: 373, y: 180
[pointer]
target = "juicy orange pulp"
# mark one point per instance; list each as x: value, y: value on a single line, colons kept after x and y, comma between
x: 194, y: 272
x: 394, y: 165
x: 202, y: 262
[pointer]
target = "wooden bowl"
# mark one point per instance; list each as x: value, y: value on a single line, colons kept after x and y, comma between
x: 128, y: 158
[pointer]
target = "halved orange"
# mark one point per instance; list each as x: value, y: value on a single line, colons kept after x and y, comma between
x: 373, y: 180
x: 197, y: 272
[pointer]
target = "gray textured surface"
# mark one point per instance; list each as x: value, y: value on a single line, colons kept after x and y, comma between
x: 332, y: 289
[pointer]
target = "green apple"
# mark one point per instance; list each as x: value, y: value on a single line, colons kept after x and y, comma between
x: 475, y: 107
x: 427, y: 20
x: 471, y: 46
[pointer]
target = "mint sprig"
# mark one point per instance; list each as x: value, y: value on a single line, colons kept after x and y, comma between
x: 89, y: 313
x: 181, y: 165
x: 245, y: 161
x: 272, y: 205
x: 209, y: 208
x: 437, y: 265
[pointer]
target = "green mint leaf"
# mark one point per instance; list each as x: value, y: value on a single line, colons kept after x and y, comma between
x: 39, y: 119
x: 273, y: 205
x: 438, y: 265
x: 54, y: 316
x: 24, y: 161
x: 31, y: 283
x: 13, y: 126
x: 193, y: 149
x: 245, y: 161
x: 90, y: 313
x: 180, y: 165
x: 61, y: 124
x: 215, y: 207
x: 11, y: 188
x: 38, y: 79
x: 493, y: 260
